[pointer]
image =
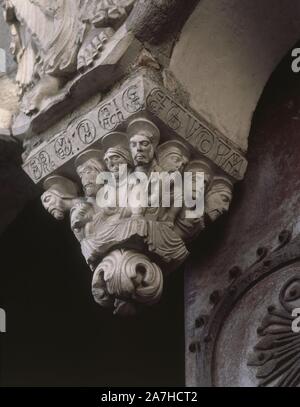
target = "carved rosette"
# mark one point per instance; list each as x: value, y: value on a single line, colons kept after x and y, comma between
x: 276, y: 356
x: 251, y: 336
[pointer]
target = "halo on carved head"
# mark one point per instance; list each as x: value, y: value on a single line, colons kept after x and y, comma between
x: 114, y: 139
x: 221, y: 184
x: 173, y: 146
x: 201, y: 166
x: 144, y: 127
x: 61, y: 186
x: 88, y: 155
x: 116, y: 143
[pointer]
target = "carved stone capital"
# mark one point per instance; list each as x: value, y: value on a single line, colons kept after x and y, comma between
x: 138, y: 130
x: 107, y: 130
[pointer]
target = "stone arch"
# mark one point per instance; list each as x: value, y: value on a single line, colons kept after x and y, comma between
x: 225, y: 55
x: 249, y: 249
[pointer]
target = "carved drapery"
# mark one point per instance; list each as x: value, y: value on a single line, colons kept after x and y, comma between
x: 130, y: 250
x: 53, y: 40
x: 94, y: 100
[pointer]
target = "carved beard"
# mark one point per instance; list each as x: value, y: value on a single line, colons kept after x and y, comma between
x: 57, y: 214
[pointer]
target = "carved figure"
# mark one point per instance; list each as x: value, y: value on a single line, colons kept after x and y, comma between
x: 218, y: 198
x: 52, y: 39
x: 60, y: 196
x: 173, y: 156
x: 144, y: 137
x: 117, y: 152
x: 189, y: 228
x: 130, y: 249
x: 89, y: 165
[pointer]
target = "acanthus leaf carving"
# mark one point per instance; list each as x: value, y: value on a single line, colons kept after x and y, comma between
x: 131, y: 248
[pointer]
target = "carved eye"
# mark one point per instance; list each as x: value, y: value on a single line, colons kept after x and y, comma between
x: 293, y: 291
x: 225, y: 198
x: 47, y: 199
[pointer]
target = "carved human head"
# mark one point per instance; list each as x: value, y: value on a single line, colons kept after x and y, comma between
x: 59, y: 196
x: 117, y: 152
x: 218, y: 198
x: 201, y: 166
x: 173, y: 156
x: 144, y: 137
x: 89, y: 165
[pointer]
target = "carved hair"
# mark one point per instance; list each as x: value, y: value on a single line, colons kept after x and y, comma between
x: 93, y: 163
x: 122, y: 152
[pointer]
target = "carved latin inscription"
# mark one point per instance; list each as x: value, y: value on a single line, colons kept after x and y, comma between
x: 206, y: 141
x: 139, y: 95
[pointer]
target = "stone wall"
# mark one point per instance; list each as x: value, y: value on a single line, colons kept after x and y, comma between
x: 226, y: 54
x: 235, y: 279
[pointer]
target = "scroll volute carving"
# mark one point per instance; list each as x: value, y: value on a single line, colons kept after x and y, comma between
x: 54, y: 39
x: 131, y: 247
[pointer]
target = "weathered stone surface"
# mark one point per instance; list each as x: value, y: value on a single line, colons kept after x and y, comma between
x: 225, y: 55
x: 131, y: 247
x: 247, y: 258
x: 52, y: 42
x: 9, y: 103
x: 154, y: 20
x: 110, y: 67
x: 135, y: 96
x: 142, y: 126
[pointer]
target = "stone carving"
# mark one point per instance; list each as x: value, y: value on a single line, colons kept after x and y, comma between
x: 53, y: 39
x: 8, y: 102
x: 117, y: 153
x: 60, y: 196
x: 196, y: 132
x: 126, y: 277
x: 188, y: 229
x: 276, y: 356
x: 138, y: 130
x: 139, y: 95
x: 144, y: 137
x: 88, y: 166
x: 131, y: 247
x: 218, y: 198
x: 173, y: 156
